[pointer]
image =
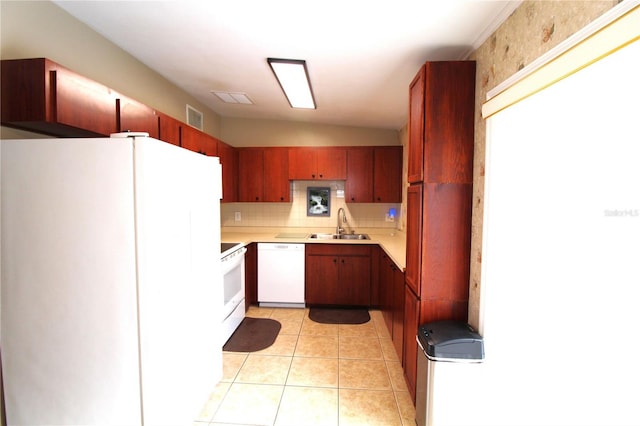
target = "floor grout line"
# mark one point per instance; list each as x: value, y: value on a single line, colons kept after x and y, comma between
x: 341, y: 339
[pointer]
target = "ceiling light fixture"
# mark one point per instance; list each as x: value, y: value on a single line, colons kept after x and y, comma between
x: 233, y: 97
x: 294, y: 80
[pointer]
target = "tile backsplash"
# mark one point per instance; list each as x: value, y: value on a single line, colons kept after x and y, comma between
x: 294, y: 213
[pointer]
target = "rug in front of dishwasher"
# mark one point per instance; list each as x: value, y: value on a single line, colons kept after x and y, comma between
x: 339, y: 315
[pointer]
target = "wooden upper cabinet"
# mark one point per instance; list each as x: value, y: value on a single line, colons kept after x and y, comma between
x: 331, y: 163
x: 441, y: 121
x: 168, y: 129
x: 209, y: 145
x: 41, y: 96
x: 449, y: 121
x: 229, y: 160
x: 276, y: 175
x: 197, y: 141
x: 263, y: 175
x: 83, y: 103
x: 136, y: 117
x: 302, y: 163
x: 250, y: 174
x: 387, y: 174
x: 359, y: 184
x: 416, y: 127
x: 317, y: 163
x: 374, y: 175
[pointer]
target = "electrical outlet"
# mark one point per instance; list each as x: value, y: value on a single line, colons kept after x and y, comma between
x: 389, y: 218
x: 237, y: 216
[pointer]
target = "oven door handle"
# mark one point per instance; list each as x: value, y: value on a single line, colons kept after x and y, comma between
x: 233, y: 260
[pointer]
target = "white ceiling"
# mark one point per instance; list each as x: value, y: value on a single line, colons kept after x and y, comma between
x: 361, y: 55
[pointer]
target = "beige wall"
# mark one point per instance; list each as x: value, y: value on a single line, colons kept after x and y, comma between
x: 533, y: 29
x: 245, y: 132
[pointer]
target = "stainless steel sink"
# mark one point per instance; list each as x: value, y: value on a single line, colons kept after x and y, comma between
x: 354, y: 237
x: 324, y: 236
x: 340, y: 236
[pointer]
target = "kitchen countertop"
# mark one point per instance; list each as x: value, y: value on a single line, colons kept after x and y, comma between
x: 391, y: 241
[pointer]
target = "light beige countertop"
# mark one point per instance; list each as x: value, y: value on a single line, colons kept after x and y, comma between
x: 392, y: 241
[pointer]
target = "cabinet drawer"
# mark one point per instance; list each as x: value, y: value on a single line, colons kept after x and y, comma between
x: 339, y: 249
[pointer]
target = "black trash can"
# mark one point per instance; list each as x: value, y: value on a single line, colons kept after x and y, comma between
x: 442, y: 341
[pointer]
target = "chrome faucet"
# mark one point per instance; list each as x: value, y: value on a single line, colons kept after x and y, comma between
x: 341, y: 218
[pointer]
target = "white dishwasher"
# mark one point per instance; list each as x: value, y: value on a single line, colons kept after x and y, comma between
x: 281, y: 275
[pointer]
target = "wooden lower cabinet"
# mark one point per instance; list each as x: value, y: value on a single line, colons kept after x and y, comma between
x: 251, y: 275
x: 338, y: 274
x: 391, y: 291
x: 398, y: 310
x: 386, y: 290
x: 410, y: 353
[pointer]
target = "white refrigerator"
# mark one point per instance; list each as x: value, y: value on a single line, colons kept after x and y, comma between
x: 111, y: 281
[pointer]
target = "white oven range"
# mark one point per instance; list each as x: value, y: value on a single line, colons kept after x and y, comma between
x: 232, y: 259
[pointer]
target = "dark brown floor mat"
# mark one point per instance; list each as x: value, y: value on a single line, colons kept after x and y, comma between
x: 253, y: 334
x: 339, y: 315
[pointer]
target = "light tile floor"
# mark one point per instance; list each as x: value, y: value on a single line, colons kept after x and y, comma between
x: 314, y: 374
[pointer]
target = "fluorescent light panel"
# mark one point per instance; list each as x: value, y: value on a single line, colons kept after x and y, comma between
x: 294, y: 80
x: 233, y: 97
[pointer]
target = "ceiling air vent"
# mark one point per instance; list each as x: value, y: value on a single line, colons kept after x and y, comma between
x: 194, y: 117
x: 233, y: 97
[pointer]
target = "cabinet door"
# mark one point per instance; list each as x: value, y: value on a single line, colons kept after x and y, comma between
x: 302, y: 163
x: 445, y: 250
x: 416, y: 127
x: 197, y: 141
x: 26, y: 90
x: 354, y: 280
x: 321, y: 279
x: 276, y: 175
x: 42, y: 96
x: 414, y: 237
x: 386, y: 291
x: 398, y: 310
x: 229, y: 160
x: 136, y: 117
x: 359, y: 185
x: 410, y: 353
x: 387, y: 174
x: 449, y: 121
x: 250, y: 174
x: 209, y: 145
x: 168, y: 129
x: 331, y: 163
x: 84, y: 104
x: 190, y: 139
x: 251, y: 275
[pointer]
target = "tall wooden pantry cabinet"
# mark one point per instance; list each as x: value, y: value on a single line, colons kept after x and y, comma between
x: 440, y: 174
